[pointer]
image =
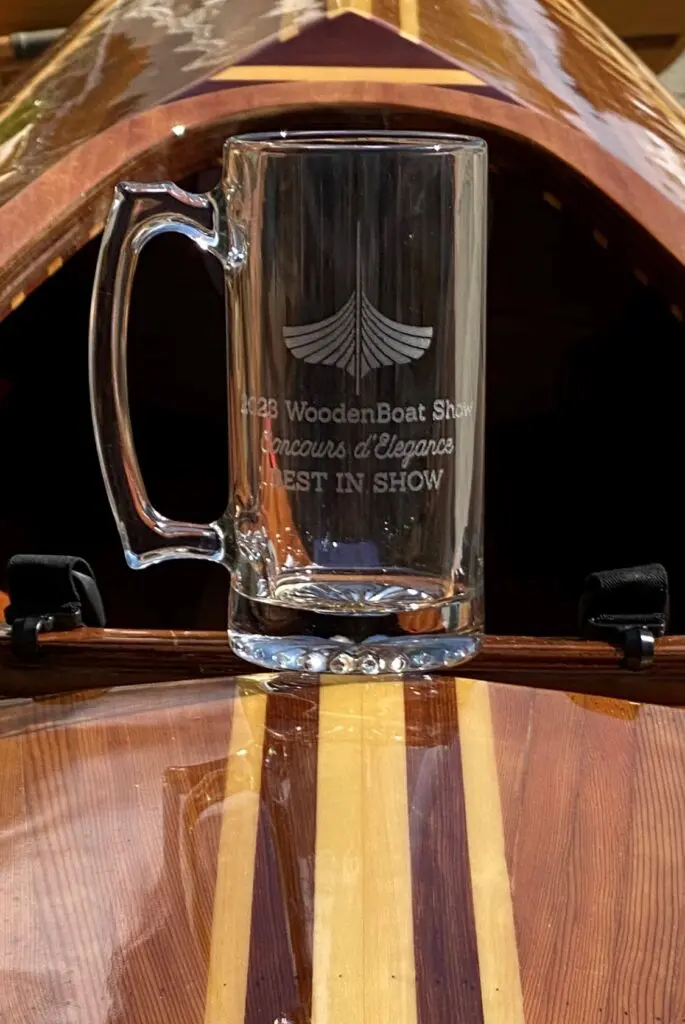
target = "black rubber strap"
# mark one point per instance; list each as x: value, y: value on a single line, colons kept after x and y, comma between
x: 626, y: 607
x: 50, y: 592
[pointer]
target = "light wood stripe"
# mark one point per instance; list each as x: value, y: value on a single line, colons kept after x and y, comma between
x: 498, y: 962
x: 338, y: 955
x: 332, y: 73
x: 409, y: 18
x: 336, y: 7
x: 288, y: 29
x: 363, y: 968
x: 229, y: 956
x: 289, y: 21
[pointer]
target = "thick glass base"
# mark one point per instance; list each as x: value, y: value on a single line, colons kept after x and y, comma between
x: 286, y: 638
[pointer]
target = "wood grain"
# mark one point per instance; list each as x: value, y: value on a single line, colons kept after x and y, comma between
x: 591, y: 80
x: 600, y: 874
x: 657, y: 33
x: 281, y: 946
x: 126, y: 816
x: 89, y: 658
x: 498, y: 963
x: 54, y: 216
x: 96, y: 921
x: 363, y: 966
x: 232, y: 915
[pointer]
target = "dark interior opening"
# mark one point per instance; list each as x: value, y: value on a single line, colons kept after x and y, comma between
x: 585, y: 431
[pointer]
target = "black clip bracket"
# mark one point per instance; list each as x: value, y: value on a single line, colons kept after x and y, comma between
x: 49, y: 593
x: 627, y: 608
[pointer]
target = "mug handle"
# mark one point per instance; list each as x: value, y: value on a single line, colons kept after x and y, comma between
x: 138, y: 214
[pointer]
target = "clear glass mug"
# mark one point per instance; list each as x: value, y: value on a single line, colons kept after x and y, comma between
x: 355, y: 278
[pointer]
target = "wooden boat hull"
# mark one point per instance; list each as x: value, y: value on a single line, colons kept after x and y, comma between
x: 591, y: 158
x: 447, y: 850
x: 33, y: 246
x: 253, y: 849
x: 630, y: 133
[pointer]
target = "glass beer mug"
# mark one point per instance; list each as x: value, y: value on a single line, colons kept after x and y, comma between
x: 355, y: 281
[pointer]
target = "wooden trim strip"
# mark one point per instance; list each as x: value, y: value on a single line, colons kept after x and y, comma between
x: 289, y: 27
x: 337, y: 984
x: 498, y: 961
x: 409, y: 19
x: 363, y: 968
x: 119, y: 657
x: 363, y: 9
x: 279, y: 983
x: 447, y: 979
x: 333, y: 73
x: 389, y: 968
x: 229, y: 955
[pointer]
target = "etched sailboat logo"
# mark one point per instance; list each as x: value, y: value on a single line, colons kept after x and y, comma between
x: 358, y: 337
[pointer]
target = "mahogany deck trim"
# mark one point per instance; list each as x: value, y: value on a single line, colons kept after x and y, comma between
x: 101, y: 658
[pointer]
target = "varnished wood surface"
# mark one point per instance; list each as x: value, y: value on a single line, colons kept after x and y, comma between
x: 440, y: 850
x: 90, y: 658
x: 53, y: 217
x: 654, y: 32
x: 595, y: 107
x: 101, y: 72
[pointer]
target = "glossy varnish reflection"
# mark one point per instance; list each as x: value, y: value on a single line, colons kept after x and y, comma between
x: 561, y: 79
x: 445, y: 942
x: 233, y: 899
x: 363, y: 956
x: 500, y: 981
x: 208, y: 852
x: 589, y: 78
x: 68, y: 204
x: 104, y: 904
x: 71, y: 662
x: 594, y: 835
x: 280, y: 959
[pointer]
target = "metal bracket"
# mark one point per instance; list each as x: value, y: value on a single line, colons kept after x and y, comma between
x: 638, y: 648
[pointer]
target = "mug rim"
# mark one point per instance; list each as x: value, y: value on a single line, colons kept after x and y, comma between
x: 284, y: 141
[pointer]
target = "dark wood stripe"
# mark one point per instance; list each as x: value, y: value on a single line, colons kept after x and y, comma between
x: 447, y: 976
x: 279, y: 983
x: 656, y: 41
x: 352, y: 41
